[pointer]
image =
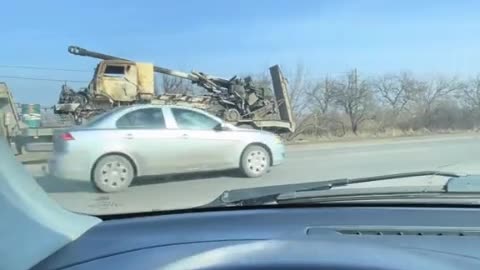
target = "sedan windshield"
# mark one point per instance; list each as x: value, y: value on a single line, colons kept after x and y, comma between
x: 184, y: 104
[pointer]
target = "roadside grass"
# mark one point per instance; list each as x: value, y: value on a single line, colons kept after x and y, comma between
x: 366, y: 135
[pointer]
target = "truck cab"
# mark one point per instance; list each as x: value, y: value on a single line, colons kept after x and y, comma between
x: 122, y: 81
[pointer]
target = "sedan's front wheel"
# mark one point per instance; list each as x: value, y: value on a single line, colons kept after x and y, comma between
x: 113, y: 173
x: 255, y: 161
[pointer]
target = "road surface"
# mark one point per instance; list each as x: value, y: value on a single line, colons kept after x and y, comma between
x: 304, y: 163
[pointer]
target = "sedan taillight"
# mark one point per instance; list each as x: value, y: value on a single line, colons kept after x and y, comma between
x: 67, y: 136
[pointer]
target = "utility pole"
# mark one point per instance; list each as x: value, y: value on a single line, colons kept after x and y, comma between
x: 327, y: 86
x: 326, y: 95
x: 355, y: 79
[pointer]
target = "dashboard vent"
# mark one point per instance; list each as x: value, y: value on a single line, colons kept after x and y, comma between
x: 397, y: 231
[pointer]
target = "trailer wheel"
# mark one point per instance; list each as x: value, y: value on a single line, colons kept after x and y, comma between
x: 232, y: 115
x: 113, y: 173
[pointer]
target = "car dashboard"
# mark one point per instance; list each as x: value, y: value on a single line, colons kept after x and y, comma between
x: 333, y: 237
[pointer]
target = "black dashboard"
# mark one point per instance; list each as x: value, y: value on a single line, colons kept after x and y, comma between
x: 331, y: 237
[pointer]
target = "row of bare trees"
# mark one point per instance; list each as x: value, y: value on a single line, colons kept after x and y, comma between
x: 402, y: 102
x: 354, y: 103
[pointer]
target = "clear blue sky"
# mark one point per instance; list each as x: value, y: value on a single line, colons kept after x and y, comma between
x: 228, y: 37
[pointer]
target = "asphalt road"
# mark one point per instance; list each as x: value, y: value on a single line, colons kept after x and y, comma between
x: 304, y: 163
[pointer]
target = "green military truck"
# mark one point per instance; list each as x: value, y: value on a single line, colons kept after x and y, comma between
x: 26, y: 133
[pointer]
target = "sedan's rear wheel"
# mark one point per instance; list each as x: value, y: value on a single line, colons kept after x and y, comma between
x: 255, y: 161
x: 113, y: 173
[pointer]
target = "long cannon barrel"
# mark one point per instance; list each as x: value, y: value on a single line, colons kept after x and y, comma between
x: 204, y: 79
x: 84, y: 52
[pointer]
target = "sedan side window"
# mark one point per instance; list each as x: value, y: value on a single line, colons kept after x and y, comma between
x: 187, y: 119
x: 151, y: 118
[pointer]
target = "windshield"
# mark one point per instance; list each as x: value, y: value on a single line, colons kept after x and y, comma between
x: 225, y: 96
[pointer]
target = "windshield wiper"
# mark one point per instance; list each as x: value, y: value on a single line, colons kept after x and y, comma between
x: 269, y: 194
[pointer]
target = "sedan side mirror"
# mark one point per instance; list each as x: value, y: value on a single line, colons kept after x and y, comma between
x: 221, y: 127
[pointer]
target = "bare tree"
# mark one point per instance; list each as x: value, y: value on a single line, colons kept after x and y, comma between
x: 322, y: 96
x: 174, y: 85
x: 298, y: 89
x: 394, y: 90
x: 355, y: 98
x: 427, y: 94
x: 324, y: 119
x: 471, y: 93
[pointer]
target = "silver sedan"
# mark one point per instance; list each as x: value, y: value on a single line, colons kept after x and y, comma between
x: 117, y: 146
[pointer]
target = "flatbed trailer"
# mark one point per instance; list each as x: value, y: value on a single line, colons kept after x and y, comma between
x: 24, y: 138
x: 237, y: 100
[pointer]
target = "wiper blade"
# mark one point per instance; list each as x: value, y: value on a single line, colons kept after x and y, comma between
x: 269, y: 194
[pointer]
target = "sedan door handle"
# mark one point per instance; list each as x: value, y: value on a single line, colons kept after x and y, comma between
x: 129, y: 136
x: 184, y: 136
